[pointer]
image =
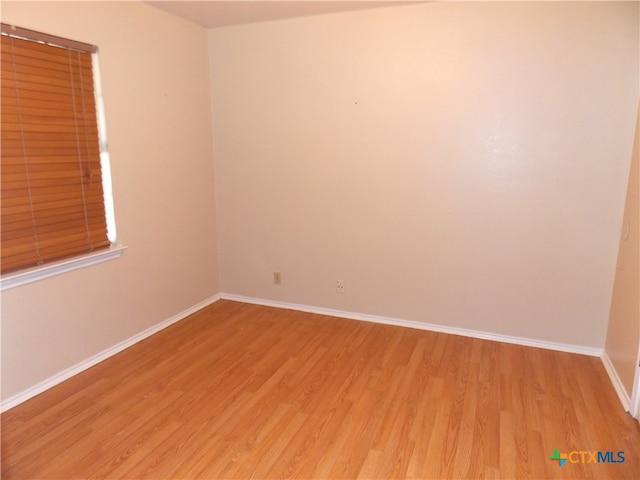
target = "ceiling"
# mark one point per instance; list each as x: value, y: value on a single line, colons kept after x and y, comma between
x: 221, y: 13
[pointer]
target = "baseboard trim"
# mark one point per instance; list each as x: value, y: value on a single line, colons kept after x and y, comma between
x: 109, y: 352
x: 561, y: 347
x: 635, y: 395
x: 615, y: 380
x: 90, y: 362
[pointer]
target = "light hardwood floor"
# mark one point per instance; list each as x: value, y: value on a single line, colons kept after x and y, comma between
x: 242, y: 391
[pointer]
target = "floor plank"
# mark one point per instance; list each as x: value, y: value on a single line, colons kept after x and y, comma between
x: 240, y: 391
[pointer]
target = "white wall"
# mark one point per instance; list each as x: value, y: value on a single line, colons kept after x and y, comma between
x: 462, y: 164
x: 156, y: 92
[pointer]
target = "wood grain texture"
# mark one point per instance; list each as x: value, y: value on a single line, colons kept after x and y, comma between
x: 239, y: 391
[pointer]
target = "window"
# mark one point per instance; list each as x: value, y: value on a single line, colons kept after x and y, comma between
x: 53, y: 152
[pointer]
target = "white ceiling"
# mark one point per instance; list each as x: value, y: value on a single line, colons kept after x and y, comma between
x: 221, y: 13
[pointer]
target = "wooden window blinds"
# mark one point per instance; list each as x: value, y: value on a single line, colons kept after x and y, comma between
x: 52, y: 202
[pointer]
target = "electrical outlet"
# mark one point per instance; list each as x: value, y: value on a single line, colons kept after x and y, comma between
x: 340, y: 286
x: 277, y: 278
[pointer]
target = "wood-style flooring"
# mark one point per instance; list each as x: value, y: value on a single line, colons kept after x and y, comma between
x: 240, y: 391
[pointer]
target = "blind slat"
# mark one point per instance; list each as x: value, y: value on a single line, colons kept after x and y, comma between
x: 49, y: 232
x: 46, y: 152
x: 25, y: 58
x: 44, y: 160
x: 26, y: 64
x: 72, y: 79
x: 11, y: 189
x: 45, y: 174
x: 31, y: 139
x: 79, y: 195
x: 35, y: 98
x: 59, y: 215
x: 61, y: 109
x: 49, y: 250
x: 25, y: 221
x: 48, y: 127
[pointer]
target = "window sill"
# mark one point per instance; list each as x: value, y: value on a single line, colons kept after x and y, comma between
x: 23, y: 277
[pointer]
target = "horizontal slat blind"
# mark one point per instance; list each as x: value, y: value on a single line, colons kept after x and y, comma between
x: 51, y: 181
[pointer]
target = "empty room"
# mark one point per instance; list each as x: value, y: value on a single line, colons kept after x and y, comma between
x: 320, y: 240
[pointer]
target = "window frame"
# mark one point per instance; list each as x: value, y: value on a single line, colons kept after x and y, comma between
x: 27, y: 275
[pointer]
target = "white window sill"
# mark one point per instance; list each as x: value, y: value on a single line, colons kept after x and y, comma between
x: 16, y: 279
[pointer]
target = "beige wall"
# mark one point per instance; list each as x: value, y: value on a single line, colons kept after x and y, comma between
x: 623, y: 334
x: 462, y: 164
x: 156, y: 91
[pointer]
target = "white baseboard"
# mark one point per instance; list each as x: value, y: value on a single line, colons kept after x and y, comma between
x: 635, y: 395
x: 109, y: 352
x: 615, y: 380
x: 74, y: 370
x: 529, y: 342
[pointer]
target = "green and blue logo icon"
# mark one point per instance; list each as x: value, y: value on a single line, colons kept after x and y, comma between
x: 587, y: 457
x: 560, y: 457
